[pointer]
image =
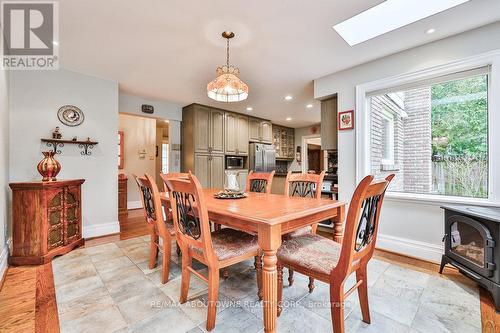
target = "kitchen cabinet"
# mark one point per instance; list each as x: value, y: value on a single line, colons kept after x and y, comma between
x: 329, y: 124
x: 284, y: 142
x: 201, y: 129
x: 236, y: 136
x: 206, y: 128
x: 202, y: 140
x: 216, y: 131
x: 278, y: 185
x: 209, y: 169
x: 242, y: 135
x: 260, y: 130
x: 216, y: 165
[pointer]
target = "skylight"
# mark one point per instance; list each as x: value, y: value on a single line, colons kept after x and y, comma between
x: 388, y: 16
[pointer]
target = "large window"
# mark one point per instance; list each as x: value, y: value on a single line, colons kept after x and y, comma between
x: 433, y: 135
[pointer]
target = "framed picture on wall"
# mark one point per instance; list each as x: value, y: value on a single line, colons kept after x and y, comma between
x: 345, y: 120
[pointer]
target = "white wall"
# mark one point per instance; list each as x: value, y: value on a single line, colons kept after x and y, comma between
x: 35, y: 97
x: 162, y: 109
x: 411, y: 228
x: 139, y: 134
x: 4, y: 170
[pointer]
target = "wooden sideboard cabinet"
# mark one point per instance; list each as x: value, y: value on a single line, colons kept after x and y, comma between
x: 122, y: 196
x: 46, y: 220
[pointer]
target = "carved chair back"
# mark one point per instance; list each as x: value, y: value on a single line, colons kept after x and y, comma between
x: 190, y: 215
x: 151, y: 204
x: 259, y: 182
x: 165, y: 176
x: 304, y: 184
x: 361, y: 225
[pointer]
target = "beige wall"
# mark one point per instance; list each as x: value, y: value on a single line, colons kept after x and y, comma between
x: 139, y: 133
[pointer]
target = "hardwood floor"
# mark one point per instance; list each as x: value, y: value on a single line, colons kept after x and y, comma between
x: 133, y: 225
x: 28, y: 300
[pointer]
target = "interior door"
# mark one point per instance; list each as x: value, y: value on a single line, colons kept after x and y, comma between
x: 217, y: 171
x: 217, y: 131
x: 201, y: 129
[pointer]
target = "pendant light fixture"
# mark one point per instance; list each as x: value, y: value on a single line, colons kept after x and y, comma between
x: 227, y: 86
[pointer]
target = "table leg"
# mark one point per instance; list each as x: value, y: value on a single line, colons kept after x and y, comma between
x: 269, y: 242
x: 337, y: 224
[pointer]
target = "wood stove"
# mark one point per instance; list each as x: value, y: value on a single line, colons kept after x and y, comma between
x: 471, y: 242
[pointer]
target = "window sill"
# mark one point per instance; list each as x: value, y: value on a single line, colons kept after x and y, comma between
x: 438, y: 200
x: 388, y: 167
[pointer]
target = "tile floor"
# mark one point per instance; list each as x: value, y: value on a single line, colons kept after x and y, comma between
x: 109, y: 288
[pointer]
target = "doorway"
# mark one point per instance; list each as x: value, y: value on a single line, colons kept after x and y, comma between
x: 312, y: 156
x: 143, y: 148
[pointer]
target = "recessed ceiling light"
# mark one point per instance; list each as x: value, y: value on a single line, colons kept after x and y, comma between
x: 249, y: 108
x: 388, y: 16
x: 55, y: 42
x: 309, y: 106
x: 288, y: 119
x: 288, y: 98
x: 430, y: 31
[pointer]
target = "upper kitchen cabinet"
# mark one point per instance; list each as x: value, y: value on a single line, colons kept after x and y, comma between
x: 216, y: 131
x: 260, y: 130
x: 236, y: 136
x: 203, y: 129
x: 284, y: 141
x: 329, y: 124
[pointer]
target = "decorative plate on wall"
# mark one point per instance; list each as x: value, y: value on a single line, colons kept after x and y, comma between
x: 70, y: 115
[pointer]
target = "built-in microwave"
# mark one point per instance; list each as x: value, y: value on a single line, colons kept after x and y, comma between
x: 235, y: 162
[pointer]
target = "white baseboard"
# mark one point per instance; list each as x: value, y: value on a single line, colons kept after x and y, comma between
x: 101, y: 229
x: 134, y: 204
x: 410, y: 247
x: 4, y: 256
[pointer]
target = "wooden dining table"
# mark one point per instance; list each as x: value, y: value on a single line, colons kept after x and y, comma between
x: 270, y: 216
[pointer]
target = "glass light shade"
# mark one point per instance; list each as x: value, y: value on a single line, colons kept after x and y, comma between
x: 227, y: 86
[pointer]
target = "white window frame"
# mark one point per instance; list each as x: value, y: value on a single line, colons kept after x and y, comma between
x: 362, y: 122
x: 389, y: 116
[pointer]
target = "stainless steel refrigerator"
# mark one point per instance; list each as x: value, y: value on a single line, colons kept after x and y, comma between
x: 262, y: 157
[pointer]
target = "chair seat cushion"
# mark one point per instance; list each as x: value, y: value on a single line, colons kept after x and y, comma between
x: 312, y: 252
x: 229, y: 243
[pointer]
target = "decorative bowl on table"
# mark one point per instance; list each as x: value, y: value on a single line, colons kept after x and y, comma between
x: 230, y: 194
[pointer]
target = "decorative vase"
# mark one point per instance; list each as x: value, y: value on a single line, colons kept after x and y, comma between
x: 49, y: 167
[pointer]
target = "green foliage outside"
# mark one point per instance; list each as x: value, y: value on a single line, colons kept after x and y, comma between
x: 460, y: 135
x: 460, y: 114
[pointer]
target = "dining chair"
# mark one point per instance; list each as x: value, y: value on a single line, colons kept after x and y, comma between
x: 259, y: 182
x: 216, y: 250
x: 158, y: 227
x: 303, y: 185
x: 331, y: 262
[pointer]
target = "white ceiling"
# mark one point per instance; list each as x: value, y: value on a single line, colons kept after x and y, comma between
x: 169, y: 49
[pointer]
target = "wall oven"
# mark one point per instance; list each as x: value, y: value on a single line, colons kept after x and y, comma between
x: 235, y: 162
